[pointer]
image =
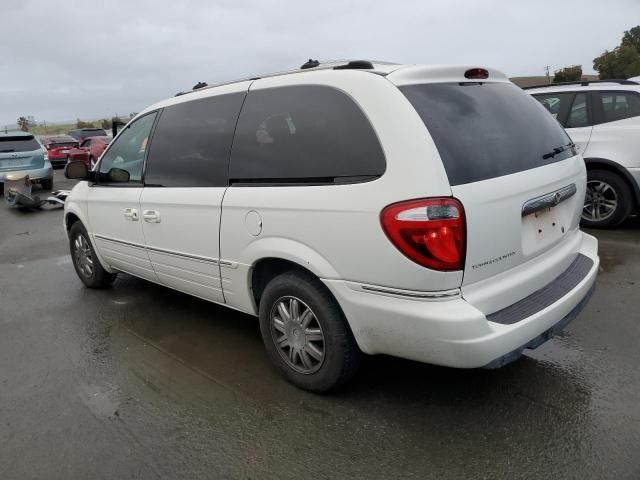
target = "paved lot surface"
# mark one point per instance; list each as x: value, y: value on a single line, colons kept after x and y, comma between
x: 139, y: 381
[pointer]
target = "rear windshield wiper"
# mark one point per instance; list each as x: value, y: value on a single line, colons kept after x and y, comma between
x: 8, y: 150
x: 558, y: 150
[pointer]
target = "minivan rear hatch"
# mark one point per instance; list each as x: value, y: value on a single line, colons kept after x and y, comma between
x: 512, y: 167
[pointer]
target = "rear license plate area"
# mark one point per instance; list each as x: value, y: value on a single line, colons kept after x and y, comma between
x: 543, y: 228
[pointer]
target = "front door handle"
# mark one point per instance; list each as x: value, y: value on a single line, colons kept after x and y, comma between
x: 131, y: 214
x: 151, y: 216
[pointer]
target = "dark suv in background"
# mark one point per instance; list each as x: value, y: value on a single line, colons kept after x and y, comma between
x: 81, y: 133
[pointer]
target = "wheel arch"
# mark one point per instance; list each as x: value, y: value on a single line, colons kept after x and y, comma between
x: 266, y: 269
x: 595, y: 163
x: 69, y: 219
x: 73, y: 216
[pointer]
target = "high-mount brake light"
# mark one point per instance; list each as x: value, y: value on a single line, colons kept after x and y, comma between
x: 477, y: 74
x: 431, y: 231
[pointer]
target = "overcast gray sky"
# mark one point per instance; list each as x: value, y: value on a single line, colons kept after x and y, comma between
x: 64, y: 60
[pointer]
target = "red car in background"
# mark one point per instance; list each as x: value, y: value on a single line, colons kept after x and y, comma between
x: 58, y: 148
x: 89, y: 150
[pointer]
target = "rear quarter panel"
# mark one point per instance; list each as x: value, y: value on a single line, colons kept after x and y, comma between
x: 616, y: 141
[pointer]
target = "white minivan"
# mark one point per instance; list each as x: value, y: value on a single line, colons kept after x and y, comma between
x: 425, y: 212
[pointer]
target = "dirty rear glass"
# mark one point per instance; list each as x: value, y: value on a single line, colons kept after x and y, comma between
x: 487, y: 130
x: 18, y: 144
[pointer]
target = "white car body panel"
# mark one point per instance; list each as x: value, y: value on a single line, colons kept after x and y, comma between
x: 617, y: 141
x: 182, y: 238
x: 119, y: 239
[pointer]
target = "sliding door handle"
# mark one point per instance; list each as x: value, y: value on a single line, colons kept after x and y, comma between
x: 131, y: 214
x: 151, y: 216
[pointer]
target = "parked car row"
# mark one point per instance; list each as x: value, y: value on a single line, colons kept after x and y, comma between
x: 426, y: 212
x: 21, y: 153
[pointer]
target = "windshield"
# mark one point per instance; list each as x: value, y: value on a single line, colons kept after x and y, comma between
x: 18, y: 144
x: 487, y: 130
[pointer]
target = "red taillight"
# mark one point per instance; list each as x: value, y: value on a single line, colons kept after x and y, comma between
x: 477, y: 73
x: 431, y: 232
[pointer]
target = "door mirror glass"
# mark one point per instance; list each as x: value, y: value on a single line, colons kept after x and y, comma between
x: 118, y: 175
x: 76, y: 170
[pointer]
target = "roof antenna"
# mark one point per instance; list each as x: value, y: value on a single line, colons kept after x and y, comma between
x: 310, y: 64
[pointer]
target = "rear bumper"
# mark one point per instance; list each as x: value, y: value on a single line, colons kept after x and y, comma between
x: 58, y: 160
x: 35, y: 174
x: 452, y: 331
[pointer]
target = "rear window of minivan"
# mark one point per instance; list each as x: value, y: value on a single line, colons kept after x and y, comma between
x: 18, y: 144
x: 487, y: 130
x: 304, y: 134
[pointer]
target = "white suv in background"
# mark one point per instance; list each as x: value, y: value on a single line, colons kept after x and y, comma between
x: 603, y: 119
x: 426, y: 212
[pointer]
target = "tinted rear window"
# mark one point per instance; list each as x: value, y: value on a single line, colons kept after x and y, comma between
x: 487, y: 130
x: 192, y: 141
x: 307, y: 133
x: 18, y: 144
x: 619, y: 105
x: 59, y: 140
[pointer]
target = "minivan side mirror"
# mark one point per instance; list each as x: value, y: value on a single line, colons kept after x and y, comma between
x: 76, y: 170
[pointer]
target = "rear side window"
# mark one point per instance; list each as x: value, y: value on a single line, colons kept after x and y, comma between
x: 487, y: 130
x: 192, y: 141
x: 619, y: 105
x: 305, y: 133
x: 578, y: 116
x: 557, y: 104
x: 18, y: 144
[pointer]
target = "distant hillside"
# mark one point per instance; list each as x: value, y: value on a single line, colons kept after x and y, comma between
x: 542, y: 80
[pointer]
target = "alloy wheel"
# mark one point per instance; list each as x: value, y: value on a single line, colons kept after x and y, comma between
x: 601, y: 201
x: 297, y: 335
x: 83, y: 256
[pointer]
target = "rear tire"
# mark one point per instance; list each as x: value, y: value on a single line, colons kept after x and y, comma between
x: 608, y: 202
x: 85, y: 260
x: 47, y: 184
x: 305, y: 333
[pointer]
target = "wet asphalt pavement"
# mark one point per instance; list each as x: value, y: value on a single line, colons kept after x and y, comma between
x: 139, y: 381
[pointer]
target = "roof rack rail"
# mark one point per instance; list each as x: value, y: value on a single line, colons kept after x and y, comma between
x: 309, y: 64
x: 339, y: 65
x: 355, y: 65
x: 583, y: 83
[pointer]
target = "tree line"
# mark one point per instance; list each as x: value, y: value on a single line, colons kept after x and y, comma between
x: 620, y: 63
x: 24, y: 124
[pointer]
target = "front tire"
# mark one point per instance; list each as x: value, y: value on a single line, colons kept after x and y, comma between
x: 85, y: 260
x: 608, y: 201
x: 305, y: 333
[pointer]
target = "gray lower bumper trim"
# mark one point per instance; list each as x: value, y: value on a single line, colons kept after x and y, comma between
x: 546, y: 296
x: 544, y: 336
